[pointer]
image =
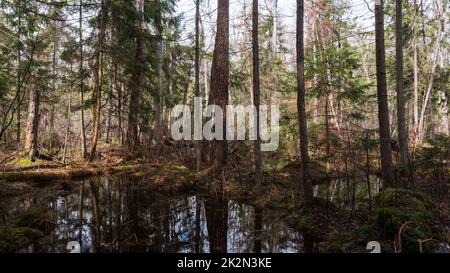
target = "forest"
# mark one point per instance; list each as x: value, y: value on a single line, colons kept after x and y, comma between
x: 357, y: 93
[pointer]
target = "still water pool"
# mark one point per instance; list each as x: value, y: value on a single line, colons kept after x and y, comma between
x: 119, y: 214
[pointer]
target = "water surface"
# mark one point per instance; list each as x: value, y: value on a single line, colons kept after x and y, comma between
x: 119, y: 214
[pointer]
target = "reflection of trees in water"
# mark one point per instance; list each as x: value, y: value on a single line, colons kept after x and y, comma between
x: 259, y: 230
x: 216, y: 209
x: 119, y: 215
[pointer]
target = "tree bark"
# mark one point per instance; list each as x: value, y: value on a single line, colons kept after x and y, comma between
x: 197, y: 75
x: 220, y: 77
x: 159, y: 59
x: 383, y: 110
x: 134, y: 105
x: 66, y: 138
x: 19, y: 73
x: 307, y: 188
x: 401, y: 115
x: 274, y: 28
x: 415, y: 87
x: 256, y: 91
x: 83, y: 130
x: 99, y: 79
x: 33, y: 122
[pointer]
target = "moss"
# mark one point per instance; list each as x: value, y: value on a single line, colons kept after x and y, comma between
x: 29, y: 218
x: 270, y: 197
x: 13, y: 239
x: 390, y: 220
x: 127, y: 168
x: 395, y: 208
x: 49, y: 175
x: 317, y: 219
x: 351, y: 241
x: 26, y: 162
x: 179, y: 168
x: 404, y: 198
x: 34, y: 219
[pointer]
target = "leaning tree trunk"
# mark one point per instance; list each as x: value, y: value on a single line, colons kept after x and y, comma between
x: 439, y: 14
x: 33, y: 123
x: 383, y: 110
x: 401, y: 115
x: 256, y: 91
x: 307, y: 188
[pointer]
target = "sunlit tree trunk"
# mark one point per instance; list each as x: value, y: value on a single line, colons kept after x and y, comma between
x: 415, y: 87
x: 434, y: 65
x: 31, y: 139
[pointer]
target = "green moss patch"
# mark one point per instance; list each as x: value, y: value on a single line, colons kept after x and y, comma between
x: 413, y: 211
x: 36, y: 220
x: 14, y: 239
x: 318, y: 220
x: 352, y: 241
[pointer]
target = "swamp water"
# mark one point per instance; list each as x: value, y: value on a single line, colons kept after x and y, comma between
x: 119, y: 214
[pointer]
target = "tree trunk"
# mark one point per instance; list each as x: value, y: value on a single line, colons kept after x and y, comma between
x: 256, y: 91
x: 220, y: 77
x: 66, y: 139
x: 159, y: 59
x: 51, y: 133
x: 83, y: 130
x: 383, y: 110
x: 416, y: 87
x: 197, y: 75
x: 435, y: 57
x: 109, y: 103
x: 401, y: 115
x: 19, y: 79
x: 132, y: 130
x: 33, y: 123
x: 274, y: 27
x: 443, y: 113
x: 307, y: 188
x: 119, y: 105
x: 99, y: 80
